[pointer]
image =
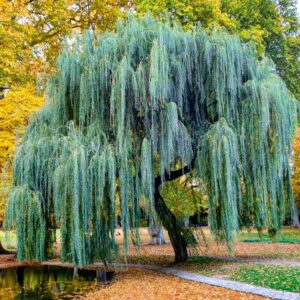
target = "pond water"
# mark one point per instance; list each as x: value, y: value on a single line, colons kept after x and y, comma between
x: 49, y: 282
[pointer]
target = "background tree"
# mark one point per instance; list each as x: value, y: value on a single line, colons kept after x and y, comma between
x: 273, y: 26
x: 135, y: 108
x: 54, y: 20
x: 185, y: 197
x: 32, y: 32
x: 189, y: 13
x: 15, y: 110
x: 288, y: 61
x: 17, y: 64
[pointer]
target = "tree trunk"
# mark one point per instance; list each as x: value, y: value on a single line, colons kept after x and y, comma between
x: 168, y: 219
x: 157, y: 235
x: 174, y: 230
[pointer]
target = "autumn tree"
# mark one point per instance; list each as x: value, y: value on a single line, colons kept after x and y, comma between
x: 189, y: 13
x: 15, y: 110
x: 273, y: 26
x: 132, y: 109
x: 17, y: 63
x: 54, y: 20
x: 32, y: 32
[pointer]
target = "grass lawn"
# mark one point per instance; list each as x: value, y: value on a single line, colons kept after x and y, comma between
x: 287, y: 235
x: 276, y: 277
x: 271, y: 276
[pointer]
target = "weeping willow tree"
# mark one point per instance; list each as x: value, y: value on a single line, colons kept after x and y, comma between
x: 132, y: 109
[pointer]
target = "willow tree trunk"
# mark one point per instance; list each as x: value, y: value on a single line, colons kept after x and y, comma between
x: 174, y: 230
x: 168, y: 219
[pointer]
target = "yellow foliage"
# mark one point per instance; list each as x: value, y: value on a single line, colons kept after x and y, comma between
x: 207, y: 12
x: 17, y: 63
x: 15, y: 110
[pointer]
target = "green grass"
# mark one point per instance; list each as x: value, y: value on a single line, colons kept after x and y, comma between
x: 276, y: 277
x: 289, y: 236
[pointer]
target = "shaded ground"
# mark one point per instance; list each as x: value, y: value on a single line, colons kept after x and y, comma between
x: 143, y: 284
x: 254, y: 249
x: 249, y: 250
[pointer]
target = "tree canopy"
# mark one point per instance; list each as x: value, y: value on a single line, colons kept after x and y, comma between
x: 128, y: 110
x: 17, y: 65
x: 38, y: 28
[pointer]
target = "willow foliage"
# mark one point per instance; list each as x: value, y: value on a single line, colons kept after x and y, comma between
x: 130, y: 105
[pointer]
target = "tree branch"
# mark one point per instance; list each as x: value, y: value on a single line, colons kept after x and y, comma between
x: 175, y: 174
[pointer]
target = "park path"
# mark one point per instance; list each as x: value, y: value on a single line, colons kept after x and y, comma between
x: 228, y: 284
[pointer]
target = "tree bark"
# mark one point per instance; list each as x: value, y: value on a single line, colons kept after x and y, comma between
x: 174, y: 230
x: 157, y: 235
x: 168, y: 219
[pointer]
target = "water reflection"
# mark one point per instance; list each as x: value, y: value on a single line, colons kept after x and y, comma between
x: 48, y: 282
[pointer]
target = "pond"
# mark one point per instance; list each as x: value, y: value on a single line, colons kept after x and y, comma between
x: 49, y: 282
